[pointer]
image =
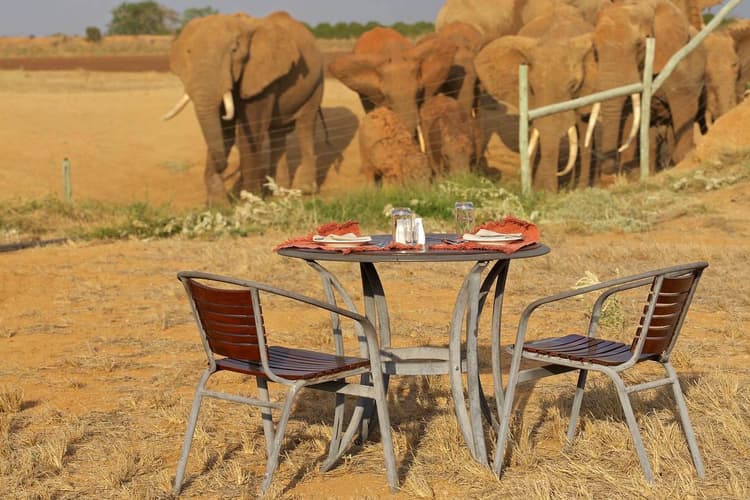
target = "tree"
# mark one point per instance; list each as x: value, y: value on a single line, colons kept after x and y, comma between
x: 194, y: 12
x: 93, y: 34
x: 142, y: 18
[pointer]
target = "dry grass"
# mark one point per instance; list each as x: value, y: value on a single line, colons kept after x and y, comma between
x: 124, y: 441
x: 66, y: 45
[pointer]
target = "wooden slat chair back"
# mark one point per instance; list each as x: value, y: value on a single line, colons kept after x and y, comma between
x: 229, y: 317
x: 670, y: 293
x: 671, y: 305
x: 228, y: 322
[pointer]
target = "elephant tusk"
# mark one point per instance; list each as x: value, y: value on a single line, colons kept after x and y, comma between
x: 228, y: 106
x: 177, y: 108
x: 533, y: 142
x: 636, y: 97
x: 473, y: 112
x: 572, y: 151
x: 420, y: 136
x: 593, y: 118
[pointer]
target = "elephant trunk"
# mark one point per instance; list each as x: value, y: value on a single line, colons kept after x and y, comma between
x: 608, y: 136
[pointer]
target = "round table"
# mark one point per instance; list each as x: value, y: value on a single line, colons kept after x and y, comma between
x: 428, y: 360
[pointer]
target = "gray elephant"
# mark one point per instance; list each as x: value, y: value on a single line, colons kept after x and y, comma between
x: 557, y: 48
x: 449, y: 138
x: 387, y: 70
x: 251, y: 81
x: 388, y: 152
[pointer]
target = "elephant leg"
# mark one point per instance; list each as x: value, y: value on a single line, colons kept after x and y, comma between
x: 683, y: 110
x: 252, y: 134
x: 305, y: 178
x: 279, y: 162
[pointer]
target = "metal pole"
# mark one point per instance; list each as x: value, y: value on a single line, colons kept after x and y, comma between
x: 523, y: 128
x: 67, y: 185
x: 648, y: 78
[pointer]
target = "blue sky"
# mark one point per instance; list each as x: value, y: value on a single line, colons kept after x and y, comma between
x: 46, y: 17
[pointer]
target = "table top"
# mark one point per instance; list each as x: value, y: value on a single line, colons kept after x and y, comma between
x: 382, y: 240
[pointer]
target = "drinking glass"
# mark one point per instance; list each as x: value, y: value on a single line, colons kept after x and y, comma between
x: 464, y: 217
x: 402, y: 225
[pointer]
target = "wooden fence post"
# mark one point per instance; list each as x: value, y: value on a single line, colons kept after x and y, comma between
x: 523, y: 128
x: 67, y: 186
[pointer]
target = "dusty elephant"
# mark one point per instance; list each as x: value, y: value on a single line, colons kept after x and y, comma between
x: 250, y: 80
x: 619, y: 40
x: 449, y: 138
x: 496, y: 18
x: 388, y: 152
x: 727, y: 54
x: 558, y: 50
x: 387, y: 70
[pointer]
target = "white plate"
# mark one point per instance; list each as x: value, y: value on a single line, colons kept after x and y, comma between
x: 484, y: 236
x: 342, y: 239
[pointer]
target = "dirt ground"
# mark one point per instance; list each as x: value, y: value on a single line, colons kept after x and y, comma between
x: 98, y: 339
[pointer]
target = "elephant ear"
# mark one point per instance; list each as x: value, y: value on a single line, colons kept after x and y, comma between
x: 672, y: 32
x: 359, y: 72
x: 740, y: 32
x: 435, y: 59
x: 272, y: 55
x: 497, y: 66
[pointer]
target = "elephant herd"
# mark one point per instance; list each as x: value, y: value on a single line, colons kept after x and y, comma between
x: 431, y: 106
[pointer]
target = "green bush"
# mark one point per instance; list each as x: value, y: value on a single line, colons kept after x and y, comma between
x: 93, y: 34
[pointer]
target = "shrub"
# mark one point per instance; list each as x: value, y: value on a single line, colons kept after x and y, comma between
x: 93, y: 34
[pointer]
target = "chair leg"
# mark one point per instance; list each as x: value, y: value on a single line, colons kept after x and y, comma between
x: 273, y: 455
x: 576, y: 408
x: 687, y: 427
x: 265, y: 413
x: 502, y: 434
x: 336, y: 432
x: 627, y: 408
x: 384, y: 421
x: 188, y: 440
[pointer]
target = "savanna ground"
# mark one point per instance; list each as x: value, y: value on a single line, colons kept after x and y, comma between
x: 101, y: 356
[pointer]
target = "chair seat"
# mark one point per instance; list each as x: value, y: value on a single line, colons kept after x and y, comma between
x: 586, y: 349
x: 295, y: 364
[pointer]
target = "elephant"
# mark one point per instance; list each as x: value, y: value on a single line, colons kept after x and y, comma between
x: 389, y: 155
x: 251, y: 80
x: 388, y: 70
x: 462, y: 83
x: 722, y: 75
x: 448, y: 135
x: 727, y: 67
x: 557, y: 47
x: 619, y: 41
x: 496, y: 18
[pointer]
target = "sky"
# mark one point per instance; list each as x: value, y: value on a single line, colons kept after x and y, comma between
x: 71, y: 17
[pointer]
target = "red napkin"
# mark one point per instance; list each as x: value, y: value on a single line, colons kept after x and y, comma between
x: 325, y: 230
x: 509, y: 224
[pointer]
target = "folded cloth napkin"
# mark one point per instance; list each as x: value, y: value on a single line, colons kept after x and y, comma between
x: 529, y: 236
x: 349, y: 227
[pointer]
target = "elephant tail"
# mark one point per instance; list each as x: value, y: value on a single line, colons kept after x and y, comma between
x: 325, y: 127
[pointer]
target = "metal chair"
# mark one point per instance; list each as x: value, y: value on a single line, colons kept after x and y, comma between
x: 670, y: 294
x: 230, y: 322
